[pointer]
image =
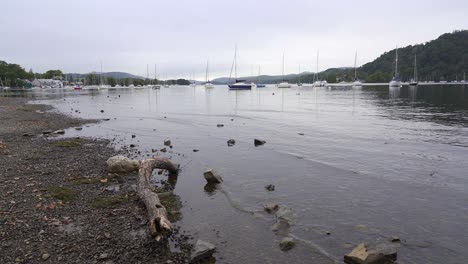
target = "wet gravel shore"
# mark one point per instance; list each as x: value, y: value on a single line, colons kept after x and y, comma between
x: 58, y: 204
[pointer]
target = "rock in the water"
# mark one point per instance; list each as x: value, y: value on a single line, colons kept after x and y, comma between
x: 381, y: 254
x: 231, y: 142
x: 195, y: 150
x: 270, y: 187
x: 46, y: 132
x: 202, y: 250
x: 163, y: 150
x: 258, y: 142
x: 102, y: 111
x: 122, y: 164
x: 28, y: 135
x: 167, y: 142
x: 219, y: 125
x: 285, y: 213
x: 271, y: 207
x: 287, y: 243
x: 300, y: 134
x: 78, y: 128
x: 212, y: 176
x: 133, y: 136
x: 45, y: 256
x: 59, y: 132
x: 280, y: 226
x: 395, y: 239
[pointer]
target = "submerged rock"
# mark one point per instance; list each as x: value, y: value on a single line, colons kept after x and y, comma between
x: 202, y: 250
x: 122, y: 164
x: 212, y: 176
x: 270, y: 187
x: 219, y: 125
x: 259, y: 142
x: 285, y: 213
x: 381, y: 254
x: 59, y: 132
x: 271, y: 207
x: 167, y: 142
x: 287, y: 243
x: 280, y: 226
x: 231, y: 142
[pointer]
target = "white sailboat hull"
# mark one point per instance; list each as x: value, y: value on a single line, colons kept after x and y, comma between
x: 284, y: 85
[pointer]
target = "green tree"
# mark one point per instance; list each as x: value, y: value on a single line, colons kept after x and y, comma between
x: 53, y: 73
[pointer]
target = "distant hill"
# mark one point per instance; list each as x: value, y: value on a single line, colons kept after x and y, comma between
x: 116, y: 75
x: 265, y: 78
x: 444, y: 58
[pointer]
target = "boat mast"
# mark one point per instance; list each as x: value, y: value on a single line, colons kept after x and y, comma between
x: 299, y: 72
x: 316, y: 70
x: 100, y: 79
x: 415, y: 69
x: 282, y: 69
x: 396, y: 62
x: 258, y: 77
x: 235, y: 63
x: 355, y: 69
x: 206, y: 77
x: 155, y: 74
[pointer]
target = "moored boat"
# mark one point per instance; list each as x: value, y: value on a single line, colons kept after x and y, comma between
x: 240, y: 85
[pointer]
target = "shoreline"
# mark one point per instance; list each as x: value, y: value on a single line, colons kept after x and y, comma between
x: 59, y: 204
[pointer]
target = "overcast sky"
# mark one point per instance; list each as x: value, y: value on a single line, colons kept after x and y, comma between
x: 181, y: 35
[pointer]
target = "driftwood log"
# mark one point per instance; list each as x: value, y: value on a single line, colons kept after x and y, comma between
x: 159, y: 226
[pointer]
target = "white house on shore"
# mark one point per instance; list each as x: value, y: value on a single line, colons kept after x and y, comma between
x: 47, y: 83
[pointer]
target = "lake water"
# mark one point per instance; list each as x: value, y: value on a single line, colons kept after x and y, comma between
x: 363, y: 164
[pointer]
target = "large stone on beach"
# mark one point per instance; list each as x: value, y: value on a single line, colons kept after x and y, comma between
x: 381, y: 254
x: 122, y: 164
x: 212, y: 176
x: 201, y: 250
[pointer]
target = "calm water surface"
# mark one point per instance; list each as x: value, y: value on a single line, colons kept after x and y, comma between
x: 372, y: 163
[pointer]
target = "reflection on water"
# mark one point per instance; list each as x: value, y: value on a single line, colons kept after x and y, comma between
x: 362, y: 164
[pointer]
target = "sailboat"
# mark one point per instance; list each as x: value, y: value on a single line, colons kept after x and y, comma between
x: 299, y: 83
x: 208, y: 84
x: 239, y: 84
x: 156, y: 82
x: 284, y: 83
x: 395, y: 82
x: 414, y: 81
x: 259, y: 85
x: 317, y: 81
x: 357, y: 82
